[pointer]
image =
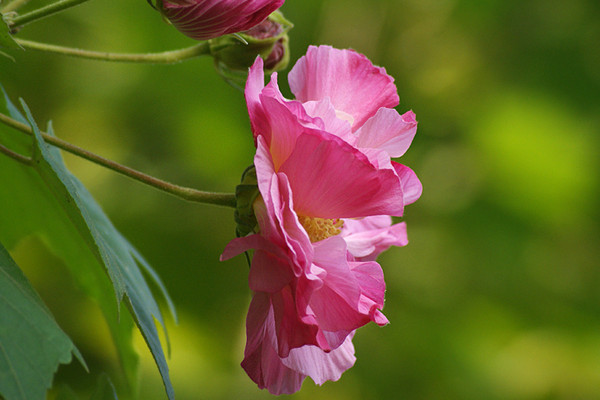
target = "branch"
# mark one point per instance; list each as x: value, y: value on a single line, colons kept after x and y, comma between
x: 190, y: 194
x: 166, y: 57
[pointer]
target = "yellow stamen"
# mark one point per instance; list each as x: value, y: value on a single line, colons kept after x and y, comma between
x: 321, y: 228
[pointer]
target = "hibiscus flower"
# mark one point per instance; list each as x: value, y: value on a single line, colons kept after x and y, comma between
x: 327, y: 190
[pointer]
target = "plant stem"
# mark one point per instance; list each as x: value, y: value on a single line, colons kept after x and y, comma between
x: 44, y: 12
x: 166, y: 57
x: 13, y: 5
x: 190, y: 194
x: 16, y: 156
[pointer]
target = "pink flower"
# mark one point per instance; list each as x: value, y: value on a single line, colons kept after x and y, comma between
x: 328, y: 188
x: 207, y: 19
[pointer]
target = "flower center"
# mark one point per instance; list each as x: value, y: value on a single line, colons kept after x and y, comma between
x: 320, y: 228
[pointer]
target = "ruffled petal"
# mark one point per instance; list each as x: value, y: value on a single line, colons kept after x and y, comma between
x: 372, y: 285
x: 319, y: 365
x: 283, y: 129
x: 335, y: 304
x: 353, y: 84
x: 269, y: 272
x: 261, y: 361
x: 291, y: 331
x: 254, y: 86
x: 368, y: 237
x: 331, y: 179
x: 411, y: 185
x: 279, y: 223
x: 387, y: 130
x: 323, y: 109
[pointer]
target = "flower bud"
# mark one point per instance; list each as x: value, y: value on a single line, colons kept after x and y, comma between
x: 234, y: 54
x: 207, y: 19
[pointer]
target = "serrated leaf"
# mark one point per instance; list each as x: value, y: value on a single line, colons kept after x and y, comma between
x: 32, y: 345
x: 6, y: 39
x: 89, y: 242
x: 27, y: 207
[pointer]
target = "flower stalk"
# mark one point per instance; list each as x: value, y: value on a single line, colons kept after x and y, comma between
x: 43, y: 12
x: 165, y: 57
x: 189, y: 194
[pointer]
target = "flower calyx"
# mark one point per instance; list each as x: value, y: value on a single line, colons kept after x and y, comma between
x: 246, y: 194
x: 234, y: 54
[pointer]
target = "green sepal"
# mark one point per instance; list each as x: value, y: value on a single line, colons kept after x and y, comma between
x: 245, y: 194
x: 234, y: 54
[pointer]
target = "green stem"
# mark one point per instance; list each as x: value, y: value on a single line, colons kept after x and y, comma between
x: 220, y: 199
x: 13, y: 5
x: 16, y: 156
x: 44, y: 12
x: 166, y: 57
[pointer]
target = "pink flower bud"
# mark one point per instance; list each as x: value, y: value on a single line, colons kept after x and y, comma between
x: 206, y: 19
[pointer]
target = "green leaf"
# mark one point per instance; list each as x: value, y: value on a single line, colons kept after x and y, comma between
x: 49, y: 201
x: 6, y: 39
x: 104, y: 390
x: 32, y: 345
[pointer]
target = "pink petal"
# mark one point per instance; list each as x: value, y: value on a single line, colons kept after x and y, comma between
x: 352, y: 83
x: 331, y: 179
x: 365, y: 241
x: 411, y: 185
x: 389, y: 131
x: 284, y: 117
x: 281, y: 224
x: 284, y: 128
x: 335, y: 304
x: 254, y: 86
x: 261, y: 361
x: 366, y: 224
x: 290, y: 329
x: 269, y: 273
x: 319, y: 365
x: 256, y: 320
x: 372, y: 285
x: 324, y: 110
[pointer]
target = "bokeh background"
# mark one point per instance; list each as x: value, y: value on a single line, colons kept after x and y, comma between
x: 495, y: 297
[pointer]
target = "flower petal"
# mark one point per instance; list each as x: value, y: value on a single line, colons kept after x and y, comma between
x: 291, y: 331
x: 372, y: 286
x: 366, y: 238
x: 254, y: 86
x: 352, y: 83
x: 279, y: 222
x: 261, y: 361
x: 319, y: 365
x: 323, y: 109
x: 389, y: 131
x: 331, y: 179
x: 269, y: 273
x: 335, y: 304
x: 411, y: 185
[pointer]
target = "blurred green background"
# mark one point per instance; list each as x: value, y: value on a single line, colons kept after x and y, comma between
x: 495, y: 297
